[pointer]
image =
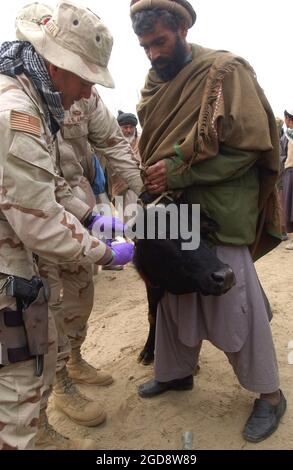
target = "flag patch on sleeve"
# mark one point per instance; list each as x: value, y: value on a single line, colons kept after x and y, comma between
x: 25, y: 122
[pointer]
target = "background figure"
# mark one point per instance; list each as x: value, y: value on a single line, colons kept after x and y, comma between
x: 280, y: 126
x: 88, y: 127
x: 118, y: 186
x: 209, y: 131
x: 286, y: 155
x: 98, y: 179
x: 280, y: 129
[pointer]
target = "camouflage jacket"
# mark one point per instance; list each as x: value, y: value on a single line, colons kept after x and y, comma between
x: 31, y: 219
x: 89, y: 128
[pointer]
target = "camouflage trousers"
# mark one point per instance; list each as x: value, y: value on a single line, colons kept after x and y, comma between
x: 21, y: 394
x: 70, y: 303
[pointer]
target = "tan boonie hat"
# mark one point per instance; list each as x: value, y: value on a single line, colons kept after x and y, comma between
x: 182, y: 7
x: 36, y: 12
x: 74, y: 39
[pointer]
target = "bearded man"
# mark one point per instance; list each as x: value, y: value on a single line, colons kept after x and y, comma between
x: 117, y: 185
x: 209, y: 131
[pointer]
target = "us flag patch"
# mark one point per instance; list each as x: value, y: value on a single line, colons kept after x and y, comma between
x: 25, y: 122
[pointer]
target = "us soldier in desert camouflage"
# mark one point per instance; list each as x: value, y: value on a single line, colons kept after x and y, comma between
x: 88, y: 126
x: 40, y: 78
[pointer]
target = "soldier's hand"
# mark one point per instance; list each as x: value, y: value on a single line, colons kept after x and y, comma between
x: 122, y: 253
x: 104, y: 225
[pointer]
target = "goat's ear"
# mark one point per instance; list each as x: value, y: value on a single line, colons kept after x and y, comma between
x: 207, y: 224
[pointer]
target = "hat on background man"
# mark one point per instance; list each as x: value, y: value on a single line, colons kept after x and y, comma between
x: 126, y: 118
x: 289, y: 112
x: 182, y: 7
x: 74, y: 39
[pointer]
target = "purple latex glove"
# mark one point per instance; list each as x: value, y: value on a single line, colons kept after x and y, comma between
x: 106, y: 226
x: 122, y: 253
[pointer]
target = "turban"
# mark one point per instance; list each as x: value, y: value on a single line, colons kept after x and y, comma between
x: 181, y: 7
x: 289, y: 112
x: 126, y: 118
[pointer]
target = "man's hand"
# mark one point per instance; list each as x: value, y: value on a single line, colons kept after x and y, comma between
x: 156, y: 177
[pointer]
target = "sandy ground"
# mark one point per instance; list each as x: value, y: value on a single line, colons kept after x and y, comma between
x: 214, y: 411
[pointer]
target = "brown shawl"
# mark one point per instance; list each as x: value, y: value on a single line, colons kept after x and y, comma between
x: 194, y: 113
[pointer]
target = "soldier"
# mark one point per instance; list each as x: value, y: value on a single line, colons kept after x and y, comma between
x: 88, y: 127
x: 57, y: 65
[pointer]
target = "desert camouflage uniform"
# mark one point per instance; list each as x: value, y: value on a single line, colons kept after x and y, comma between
x: 31, y: 221
x: 88, y: 127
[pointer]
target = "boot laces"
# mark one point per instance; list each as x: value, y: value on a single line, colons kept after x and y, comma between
x: 71, y: 389
x: 55, y: 435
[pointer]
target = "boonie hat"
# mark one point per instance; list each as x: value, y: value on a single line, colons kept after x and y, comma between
x: 74, y: 39
x: 36, y: 12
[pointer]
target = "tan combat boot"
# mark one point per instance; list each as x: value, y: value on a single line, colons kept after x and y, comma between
x: 49, y: 439
x: 76, y: 406
x: 83, y: 373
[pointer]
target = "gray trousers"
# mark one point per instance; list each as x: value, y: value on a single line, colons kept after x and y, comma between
x: 237, y: 323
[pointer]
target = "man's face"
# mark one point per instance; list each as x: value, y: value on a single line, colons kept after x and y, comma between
x: 128, y: 130
x: 71, y: 87
x: 165, y: 49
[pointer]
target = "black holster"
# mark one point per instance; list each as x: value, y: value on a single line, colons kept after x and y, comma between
x: 35, y: 319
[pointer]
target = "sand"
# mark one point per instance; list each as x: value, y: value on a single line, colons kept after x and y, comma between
x: 216, y: 409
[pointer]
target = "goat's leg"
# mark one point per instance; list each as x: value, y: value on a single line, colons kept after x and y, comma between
x: 146, y: 356
x: 154, y: 295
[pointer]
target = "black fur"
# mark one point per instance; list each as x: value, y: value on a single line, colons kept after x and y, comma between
x: 163, y: 265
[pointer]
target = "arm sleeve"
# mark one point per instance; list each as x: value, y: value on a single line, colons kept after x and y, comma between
x: 107, y: 140
x: 71, y: 203
x: 29, y: 205
x: 228, y: 165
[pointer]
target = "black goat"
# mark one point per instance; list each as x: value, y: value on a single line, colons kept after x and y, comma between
x: 164, y: 265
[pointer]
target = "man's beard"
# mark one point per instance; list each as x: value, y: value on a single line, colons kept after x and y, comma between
x: 171, y: 65
x: 131, y: 138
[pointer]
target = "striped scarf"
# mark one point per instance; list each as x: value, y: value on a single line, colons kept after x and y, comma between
x: 19, y: 57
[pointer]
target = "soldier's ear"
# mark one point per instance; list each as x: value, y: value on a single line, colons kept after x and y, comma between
x: 52, y: 70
